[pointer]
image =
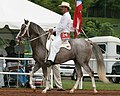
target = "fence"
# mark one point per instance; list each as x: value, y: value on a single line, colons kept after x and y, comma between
x: 15, y: 73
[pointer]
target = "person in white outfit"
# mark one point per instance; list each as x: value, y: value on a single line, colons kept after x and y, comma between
x: 3, y: 53
x: 63, y: 28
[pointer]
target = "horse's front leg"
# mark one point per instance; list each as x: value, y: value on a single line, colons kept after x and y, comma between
x: 47, y: 79
x: 32, y: 80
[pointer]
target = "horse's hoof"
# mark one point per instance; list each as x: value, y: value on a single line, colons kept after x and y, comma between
x: 34, y: 90
x: 44, y: 91
x: 95, y: 91
x: 32, y: 86
x: 71, y: 91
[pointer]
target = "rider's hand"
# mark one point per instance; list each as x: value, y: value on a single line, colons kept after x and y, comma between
x: 51, y: 31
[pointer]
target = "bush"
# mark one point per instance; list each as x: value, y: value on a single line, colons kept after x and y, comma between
x: 94, y: 28
x: 106, y: 29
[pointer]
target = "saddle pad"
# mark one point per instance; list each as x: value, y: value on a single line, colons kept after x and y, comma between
x: 65, y: 44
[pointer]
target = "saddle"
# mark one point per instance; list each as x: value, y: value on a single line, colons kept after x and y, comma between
x: 65, y: 43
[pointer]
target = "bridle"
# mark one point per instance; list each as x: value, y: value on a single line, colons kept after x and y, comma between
x: 26, y: 30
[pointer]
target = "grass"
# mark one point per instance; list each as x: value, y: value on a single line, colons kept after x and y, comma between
x: 87, y: 85
x: 103, y: 20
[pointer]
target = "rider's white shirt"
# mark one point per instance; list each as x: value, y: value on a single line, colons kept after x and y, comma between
x: 64, y: 25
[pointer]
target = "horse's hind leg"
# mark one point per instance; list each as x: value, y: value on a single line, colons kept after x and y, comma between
x: 79, y: 76
x: 91, y: 73
x: 35, y: 68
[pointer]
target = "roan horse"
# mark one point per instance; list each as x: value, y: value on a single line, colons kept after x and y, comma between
x: 80, y: 53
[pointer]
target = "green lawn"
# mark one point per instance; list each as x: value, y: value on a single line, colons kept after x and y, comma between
x: 87, y: 85
x: 103, y: 20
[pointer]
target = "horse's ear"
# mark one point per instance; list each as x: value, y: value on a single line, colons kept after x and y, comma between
x: 26, y: 21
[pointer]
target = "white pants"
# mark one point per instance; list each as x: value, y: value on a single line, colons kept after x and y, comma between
x: 1, y: 75
x: 55, y: 47
x: 57, y: 76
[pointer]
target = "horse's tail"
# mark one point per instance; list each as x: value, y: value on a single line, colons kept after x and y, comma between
x: 100, y: 63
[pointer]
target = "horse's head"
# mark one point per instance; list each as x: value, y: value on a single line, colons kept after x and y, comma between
x: 31, y: 30
x: 24, y: 32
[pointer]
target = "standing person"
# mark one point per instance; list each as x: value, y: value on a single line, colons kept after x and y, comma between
x: 14, y: 50
x: 63, y: 29
x: 57, y: 77
x: 11, y: 51
x: 3, y: 53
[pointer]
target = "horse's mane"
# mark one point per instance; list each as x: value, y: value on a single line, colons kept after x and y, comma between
x: 38, y: 31
x: 36, y: 27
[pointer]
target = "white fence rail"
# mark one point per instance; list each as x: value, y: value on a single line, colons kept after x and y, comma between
x: 16, y: 73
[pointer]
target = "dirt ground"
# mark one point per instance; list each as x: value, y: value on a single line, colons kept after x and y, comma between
x: 30, y: 92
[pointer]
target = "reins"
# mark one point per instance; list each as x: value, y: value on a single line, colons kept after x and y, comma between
x: 39, y: 36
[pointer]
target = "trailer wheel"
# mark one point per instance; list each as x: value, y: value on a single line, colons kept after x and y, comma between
x: 115, y: 79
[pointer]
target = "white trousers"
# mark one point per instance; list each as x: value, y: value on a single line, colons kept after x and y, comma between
x: 1, y: 75
x: 57, y: 76
x: 54, y: 48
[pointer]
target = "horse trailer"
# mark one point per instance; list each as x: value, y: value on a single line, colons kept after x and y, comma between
x: 111, y: 51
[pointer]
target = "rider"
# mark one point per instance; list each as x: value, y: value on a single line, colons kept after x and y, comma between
x: 63, y: 29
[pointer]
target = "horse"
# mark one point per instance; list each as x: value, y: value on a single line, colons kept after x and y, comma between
x: 80, y: 52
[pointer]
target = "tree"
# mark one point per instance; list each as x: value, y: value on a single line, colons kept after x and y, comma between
x: 110, y: 8
x: 53, y: 4
x: 86, y: 6
x: 49, y: 4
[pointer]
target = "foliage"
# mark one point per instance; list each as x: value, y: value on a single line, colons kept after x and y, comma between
x: 91, y: 28
x: 94, y: 28
x: 113, y: 4
x: 114, y: 24
x: 86, y: 5
x: 4, y: 42
x: 106, y: 29
x: 116, y: 28
x: 49, y: 4
x: 109, y: 7
x: 103, y: 20
x: 53, y: 5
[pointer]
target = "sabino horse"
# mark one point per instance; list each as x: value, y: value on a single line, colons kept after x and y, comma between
x: 80, y: 53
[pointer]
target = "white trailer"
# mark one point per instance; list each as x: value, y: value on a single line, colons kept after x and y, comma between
x: 111, y: 47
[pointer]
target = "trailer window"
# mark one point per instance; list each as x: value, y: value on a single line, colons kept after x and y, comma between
x: 118, y: 49
x: 103, y: 47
